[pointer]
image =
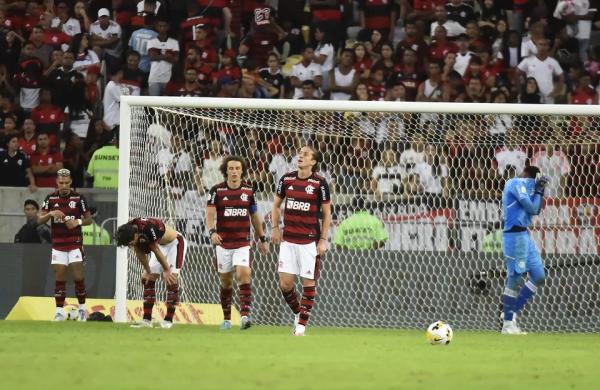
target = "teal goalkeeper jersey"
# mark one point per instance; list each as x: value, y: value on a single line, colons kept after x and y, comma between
x: 520, y: 203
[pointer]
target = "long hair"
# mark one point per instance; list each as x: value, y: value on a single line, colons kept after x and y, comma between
x: 223, y: 167
x: 317, y: 156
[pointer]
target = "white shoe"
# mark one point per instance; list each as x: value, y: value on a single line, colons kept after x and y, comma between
x: 58, y: 317
x: 296, y: 321
x: 81, y: 315
x: 511, y: 328
x: 299, y: 330
x: 166, y: 324
x: 225, y: 325
x: 142, y: 324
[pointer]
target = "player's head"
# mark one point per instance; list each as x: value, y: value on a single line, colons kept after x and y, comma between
x: 63, y: 181
x: 308, y: 156
x: 233, y: 168
x: 126, y: 235
x: 530, y: 172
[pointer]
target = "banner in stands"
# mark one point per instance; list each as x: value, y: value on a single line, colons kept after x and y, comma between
x: 42, y: 309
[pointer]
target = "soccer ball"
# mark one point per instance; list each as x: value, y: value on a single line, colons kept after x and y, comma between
x: 439, y: 333
x: 72, y: 315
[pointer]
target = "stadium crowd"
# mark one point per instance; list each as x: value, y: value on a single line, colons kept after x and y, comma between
x: 64, y: 65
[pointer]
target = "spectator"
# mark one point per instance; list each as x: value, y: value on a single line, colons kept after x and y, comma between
x: 499, y: 124
x: 409, y: 75
x: 164, y: 53
x: 228, y: 87
x: 440, y: 47
x: 361, y: 92
x: 500, y: 38
x: 434, y: 175
x: 578, y: 16
x: 360, y: 231
x: 355, y: 173
x: 250, y: 89
x: 512, y: 154
x: 85, y: 57
x: 554, y: 163
x: 463, y: 57
x: 413, y: 155
x: 344, y: 77
x: 112, y: 97
x: 272, y: 79
x: 174, y: 161
x: 362, y: 61
x: 584, y: 93
x: 460, y: 12
x: 431, y: 89
x: 306, y: 69
x: 94, y: 234
x: 377, y: 86
x: 45, y: 162
x: 148, y: 7
x: 48, y: 117
x: 64, y: 21
x: 530, y: 92
x: 28, y: 142
x: 31, y: 232
x: 39, y: 49
x: 60, y: 81
x: 79, y: 110
x: 95, y: 136
x: 6, y: 86
x: 106, y: 38
x: 324, y: 55
x: 80, y: 14
x: 133, y: 77
x: 29, y: 78
x: 377, y: 15
x: 103, y: 168
x: 10, y: 125
x: 386, y: 61
x: 74, y: 158
x: 415, y: 42
x: 511, y: 50
x: 476, y: 92
x: 190, y: 86
x: 452, y: 27
x: 386, y: 177
x: 139, y: 41
x: 282, y: 162
x: 211, y: 174
x: 15, y: 166
x: 229, y: 67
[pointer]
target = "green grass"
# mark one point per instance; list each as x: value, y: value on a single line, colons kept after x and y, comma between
x: 36, y: 355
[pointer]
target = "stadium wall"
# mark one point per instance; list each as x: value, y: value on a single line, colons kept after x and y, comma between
x: 357, y: 289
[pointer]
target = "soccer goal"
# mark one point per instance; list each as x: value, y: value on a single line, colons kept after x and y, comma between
x: 431, y: 172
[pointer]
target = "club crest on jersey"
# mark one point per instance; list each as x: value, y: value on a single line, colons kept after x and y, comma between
x: 244, y: 197
x: 72, y: 204
x: 310, y: 190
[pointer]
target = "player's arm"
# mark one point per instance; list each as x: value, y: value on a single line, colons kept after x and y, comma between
x: 275, y: 216
x: 325, y: 225
x: 45, y: 214
x: 532, y: 205
x: 257, y: 223
x: 211, y: 216
x: 168, y: 275
x: 143, y: 258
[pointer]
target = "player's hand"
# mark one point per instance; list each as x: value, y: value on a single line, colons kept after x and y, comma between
x: 216, y: 239
x: 71, y: 223
x: 321, y: 247
x: 57, y: 214
x: 170, y: 277
x: 276, y: 236
x: 145, y: 277
x: 263, y: 248
x: 540, y: 184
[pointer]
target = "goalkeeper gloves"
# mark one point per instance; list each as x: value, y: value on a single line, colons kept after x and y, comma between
x: 540, y: 184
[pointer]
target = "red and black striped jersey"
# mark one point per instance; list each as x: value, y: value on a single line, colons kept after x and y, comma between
x: 234, y: 206
x: 303, y: 200
x: 74, y: 206
x: 378, y: 13
x: 151, y: 230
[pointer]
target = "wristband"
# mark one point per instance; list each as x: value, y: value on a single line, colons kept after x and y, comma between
x: 324, y: 239
x: 275, y: 227
x: 79, y: 222
x: 263, y: 239
x: 211, y: 231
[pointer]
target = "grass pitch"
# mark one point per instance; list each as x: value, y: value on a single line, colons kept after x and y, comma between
x: 70, y: 355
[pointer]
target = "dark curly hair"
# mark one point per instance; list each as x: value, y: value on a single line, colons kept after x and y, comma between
x: 223, y: 167
x: 125, y: 233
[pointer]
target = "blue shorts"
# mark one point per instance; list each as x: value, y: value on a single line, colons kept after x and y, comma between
x: 520, y: 254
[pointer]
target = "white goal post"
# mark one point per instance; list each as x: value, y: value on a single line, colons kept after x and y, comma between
x: 435, y: 264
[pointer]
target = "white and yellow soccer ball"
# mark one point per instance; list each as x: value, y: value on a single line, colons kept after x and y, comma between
x: 72, y: 314
x: 439, y: 333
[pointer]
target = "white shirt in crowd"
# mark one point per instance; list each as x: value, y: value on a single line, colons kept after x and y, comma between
x: 71, y: 27
x: 160, y: 71
x: 501, y: 123
x: 211, y: 174
x: 409, y: 160
x: 305, y: 73
x: 554, y: 166
x: 279, y: 166
x: 113, y: 30
x: 515, y: 157
x: 543, y: 72
x: 583, y: 28
x: 387, y: 178
x: 342, y: 80
x: 112, y: 102
x: 462, y: 62
x: 82, y: 62
x: 432, y: 184
x: 168, y: 161
x: 453, y: 28
x: 140, y: 7
x: 528, y: 47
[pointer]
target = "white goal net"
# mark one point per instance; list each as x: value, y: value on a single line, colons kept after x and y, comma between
x: 432, y: 173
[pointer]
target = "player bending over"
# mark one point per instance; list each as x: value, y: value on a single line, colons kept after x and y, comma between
x: 522, y: 197
x: 68, y: 211
x: 232, y: 203
x: 304, y: 241
x: 161, y: 250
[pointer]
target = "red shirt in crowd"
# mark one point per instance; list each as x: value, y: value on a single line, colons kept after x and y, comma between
x: 45, y: 159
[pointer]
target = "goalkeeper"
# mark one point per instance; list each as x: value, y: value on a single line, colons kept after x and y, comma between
x: 521, y: 199
x: 359, y: 231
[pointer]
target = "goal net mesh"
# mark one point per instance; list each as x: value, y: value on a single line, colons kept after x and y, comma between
x: 434, y: 180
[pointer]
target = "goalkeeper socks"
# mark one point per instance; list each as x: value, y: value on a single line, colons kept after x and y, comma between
x: 292, y: 300
x: 226, y: 294
x: 245, y: 299
x: 307, y: 303
x: 60, y: 293
x: 149, y: 298
x: 172, y: 301
x: 80, y: 291
x: 509, y: 301
x: 527, y: 292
